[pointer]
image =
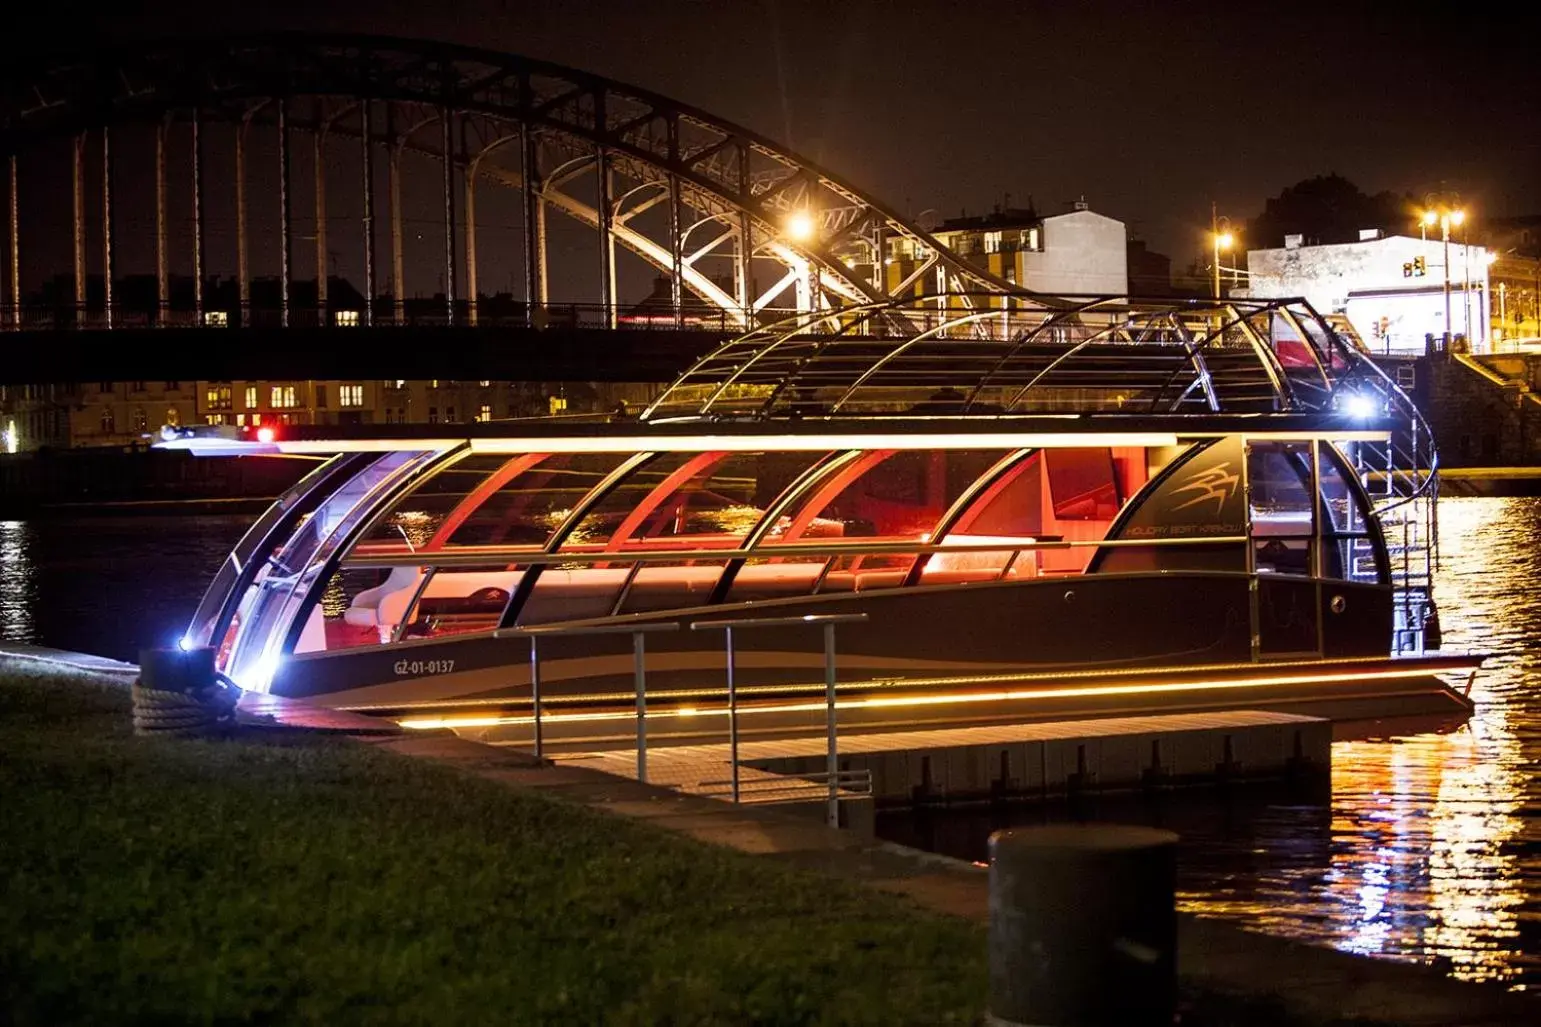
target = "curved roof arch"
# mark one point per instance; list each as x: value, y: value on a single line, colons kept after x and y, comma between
x: 951, y: 354
x: 722, y: 169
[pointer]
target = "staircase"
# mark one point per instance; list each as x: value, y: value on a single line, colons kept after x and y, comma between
x: 1400, y: 476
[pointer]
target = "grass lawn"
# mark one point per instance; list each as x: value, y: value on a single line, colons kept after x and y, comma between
x: 314, y: 880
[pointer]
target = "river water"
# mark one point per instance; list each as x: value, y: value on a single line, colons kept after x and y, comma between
x: 1429, y: 848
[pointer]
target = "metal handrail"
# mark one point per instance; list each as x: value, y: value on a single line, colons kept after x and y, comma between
x: 480, y: 557
x: 827, y: 621
x: 639, y: 669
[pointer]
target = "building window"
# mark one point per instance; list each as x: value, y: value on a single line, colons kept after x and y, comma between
x: 217, y: 396
x: 104, y: 387
x: 558, y: 404
x: 1034, y: 240
x: 486, y: 414
x: 240, y: 419
x: 256, y: 419
x: 350, y: 395
x: 992, y: 242
x: 136, y: 386
x: 107, y: 425
x: 173, y: 386
x: 449, y: 415
x: 283, y: 397
x: 251, y: 397
x: 215, y: 418
x: 433, y: 415
x: 172, y: 417
x: 141, y: 419
x: 347, y: 318
x: 485, y: 385
x: 320, y: 394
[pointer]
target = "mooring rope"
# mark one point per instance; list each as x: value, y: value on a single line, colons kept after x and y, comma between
x: 185, y: 714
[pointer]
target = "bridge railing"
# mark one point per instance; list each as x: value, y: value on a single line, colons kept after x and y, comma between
x: 488, y: 313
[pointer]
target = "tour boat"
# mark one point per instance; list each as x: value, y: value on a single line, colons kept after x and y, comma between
x: 1102, y: 498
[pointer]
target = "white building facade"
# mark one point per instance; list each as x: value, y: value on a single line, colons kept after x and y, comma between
x: 1077, y: 253
x: 1392, y: 289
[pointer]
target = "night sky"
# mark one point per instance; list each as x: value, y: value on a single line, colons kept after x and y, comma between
x: 1149, y: 110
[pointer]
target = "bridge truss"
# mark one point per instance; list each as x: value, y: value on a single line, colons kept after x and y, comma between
x: 738, y: 225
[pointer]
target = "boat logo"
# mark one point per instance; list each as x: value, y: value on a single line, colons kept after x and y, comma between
x: 1212, y: 483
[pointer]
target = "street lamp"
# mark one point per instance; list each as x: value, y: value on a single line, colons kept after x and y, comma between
x: 1223, y: 240
x: 1445, y: 216
x: 800, y: 226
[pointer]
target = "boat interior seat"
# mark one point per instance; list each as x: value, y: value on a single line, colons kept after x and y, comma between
x: 365, y: 610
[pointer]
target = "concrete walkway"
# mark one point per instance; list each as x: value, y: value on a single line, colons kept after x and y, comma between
x: 1311, y: 983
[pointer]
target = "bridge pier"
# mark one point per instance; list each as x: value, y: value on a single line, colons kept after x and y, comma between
x: 198, y: 254
x: 286, y: 239
x: 162, y: 272
x: 242, y: 271
x: 447, y: 121
x: 78, y: 174
x: 107, y: 263
x: 367, y: 159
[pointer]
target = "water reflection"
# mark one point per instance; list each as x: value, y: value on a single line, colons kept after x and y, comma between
x: 1430, y: 846
x: 17, y: 585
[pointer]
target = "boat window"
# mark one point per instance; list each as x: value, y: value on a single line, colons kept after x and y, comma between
x: 1280, y: 501
x: 461, y: 600
x: 1349, y: 550
x: 1192, y: 514
x: 260, y: 542
x: 415, y: 519
x: 1083, y: 484
x: 1008, y: 512
x: 896, y: 495
x: 713, y: 500
x: 528, y: 508
x: 574, y: 591
x: 673, y: 585
x: 282, y: 587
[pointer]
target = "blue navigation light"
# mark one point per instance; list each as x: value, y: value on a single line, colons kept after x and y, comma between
x: 1360, y: 406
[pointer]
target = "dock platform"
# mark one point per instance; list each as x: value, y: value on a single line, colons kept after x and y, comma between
x: 1043, y: 759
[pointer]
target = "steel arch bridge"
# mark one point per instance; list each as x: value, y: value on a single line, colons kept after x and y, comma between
x: 706, y: 202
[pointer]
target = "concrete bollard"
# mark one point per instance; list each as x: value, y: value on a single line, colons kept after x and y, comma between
x: 1083, y: 926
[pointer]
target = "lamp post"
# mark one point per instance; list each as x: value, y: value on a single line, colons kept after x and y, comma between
x: 1446, y: 216
x: 1222, y: 238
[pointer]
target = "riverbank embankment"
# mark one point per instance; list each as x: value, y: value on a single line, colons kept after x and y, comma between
x: 305, y: 877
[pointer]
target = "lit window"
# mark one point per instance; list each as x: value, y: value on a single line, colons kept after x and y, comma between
x: 256, y: 419
x: 217, y: 397
x: 216, y: 318
x: 347, y: 318
x: 433, y: 383
x: 1034, y: 240
x: 215, y: 418
x: 240, y: 419
x: 251, y: 397
x: 484, y: 384
x: 558, y: 404
x: 283, y: 397
x: 992, y: 242
x: 350, y: 395
x: 172, y: 417
x: 486, y: 414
